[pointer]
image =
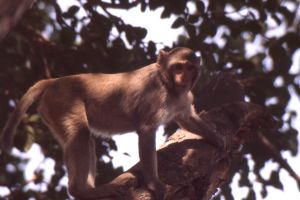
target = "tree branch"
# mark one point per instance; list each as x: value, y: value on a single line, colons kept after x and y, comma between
x: 190, y: 167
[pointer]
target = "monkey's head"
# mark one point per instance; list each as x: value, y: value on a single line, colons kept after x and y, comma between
x: 182, y: 66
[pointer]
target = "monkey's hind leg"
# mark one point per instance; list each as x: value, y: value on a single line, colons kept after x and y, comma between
x: 80, y: 160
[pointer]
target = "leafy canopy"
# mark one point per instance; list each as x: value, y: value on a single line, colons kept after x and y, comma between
x: 48, y: 42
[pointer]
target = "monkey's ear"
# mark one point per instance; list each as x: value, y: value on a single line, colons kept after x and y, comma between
x: 161, y: 58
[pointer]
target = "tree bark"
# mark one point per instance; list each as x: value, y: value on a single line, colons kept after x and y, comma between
x: 193, y: 169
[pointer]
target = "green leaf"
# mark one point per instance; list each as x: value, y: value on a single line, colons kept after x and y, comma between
x: 71, y: 12
x: 67, y: 36
x: 166, y: 13
x: 191, y: 30
x: 178, y: 22
x: 29, y: 140
x: 140, y: 33
x: 193, y: 18
x: 200, y: 6
x: 275, y: 181
x: 34, y: 118
x: 134, y: 33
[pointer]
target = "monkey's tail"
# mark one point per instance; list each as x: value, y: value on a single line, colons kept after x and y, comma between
x: 32, y: 95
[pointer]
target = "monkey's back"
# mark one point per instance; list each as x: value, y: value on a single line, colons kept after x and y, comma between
x: 121, y: 102
x: 117, y: 103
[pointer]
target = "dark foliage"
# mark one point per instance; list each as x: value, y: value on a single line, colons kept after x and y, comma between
x: 48, y: 42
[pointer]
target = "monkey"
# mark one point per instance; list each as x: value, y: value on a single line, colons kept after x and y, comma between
x: 76, y: 107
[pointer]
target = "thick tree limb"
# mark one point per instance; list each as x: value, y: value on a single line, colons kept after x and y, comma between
x: 190, y: 166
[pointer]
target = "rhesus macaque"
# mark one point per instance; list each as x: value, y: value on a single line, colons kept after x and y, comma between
x: 74, y: 107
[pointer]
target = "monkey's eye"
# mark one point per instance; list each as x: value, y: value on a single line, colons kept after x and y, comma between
x: 177, y: 68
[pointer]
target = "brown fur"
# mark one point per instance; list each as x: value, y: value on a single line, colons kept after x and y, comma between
x: 141, y: 100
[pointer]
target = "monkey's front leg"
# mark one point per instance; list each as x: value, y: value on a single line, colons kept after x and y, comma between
x: 195, y: 124
x: 148, y: 160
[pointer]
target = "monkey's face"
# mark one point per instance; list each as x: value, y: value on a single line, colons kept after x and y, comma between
x: 184, y: 73
x: 181, y: 65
